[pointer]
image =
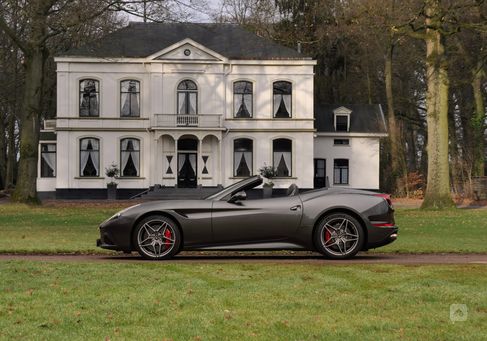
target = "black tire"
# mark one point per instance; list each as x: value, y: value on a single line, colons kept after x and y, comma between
x: 339, y: 236
x: 157, y: 237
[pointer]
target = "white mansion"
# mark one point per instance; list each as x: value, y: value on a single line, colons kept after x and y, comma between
x: 191, y: 105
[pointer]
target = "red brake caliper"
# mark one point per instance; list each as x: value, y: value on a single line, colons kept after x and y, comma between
x: 327, y: 236
x: 167, y: 234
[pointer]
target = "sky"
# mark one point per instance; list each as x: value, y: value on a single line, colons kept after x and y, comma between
x: 197, y: 11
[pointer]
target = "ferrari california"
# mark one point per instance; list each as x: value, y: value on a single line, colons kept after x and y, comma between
x: 337, y: 222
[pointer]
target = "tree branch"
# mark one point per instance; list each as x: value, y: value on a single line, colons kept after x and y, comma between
x: 13, y: 35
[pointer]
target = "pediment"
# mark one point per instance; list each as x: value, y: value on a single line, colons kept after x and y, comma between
x: 188, y: 50
x: 342, y: 111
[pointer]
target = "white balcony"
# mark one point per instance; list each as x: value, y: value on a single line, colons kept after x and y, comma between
x: 187, y: 121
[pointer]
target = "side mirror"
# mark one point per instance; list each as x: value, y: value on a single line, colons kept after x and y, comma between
x: 239, y: 196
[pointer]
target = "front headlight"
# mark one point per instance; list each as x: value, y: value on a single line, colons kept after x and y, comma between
x: 118, y: 214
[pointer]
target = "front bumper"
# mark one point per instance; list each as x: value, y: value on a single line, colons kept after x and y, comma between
x: 116, y: 235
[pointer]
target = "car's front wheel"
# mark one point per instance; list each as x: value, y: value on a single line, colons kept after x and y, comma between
x: 339, y: 236
x: 157, y: 237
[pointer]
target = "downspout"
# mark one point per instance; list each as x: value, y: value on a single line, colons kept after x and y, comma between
x: 225, y: 134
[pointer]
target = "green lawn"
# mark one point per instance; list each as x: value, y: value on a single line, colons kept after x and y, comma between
x: 157, y: 301
x: 74, y: 229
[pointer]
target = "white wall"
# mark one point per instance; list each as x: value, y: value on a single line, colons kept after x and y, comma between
x: 302, y: 157
x: 158, y: 84
x: 363, y: 155
x: 68, y: 159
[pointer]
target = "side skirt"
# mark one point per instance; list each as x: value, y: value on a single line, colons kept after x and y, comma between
x: 250, y: 247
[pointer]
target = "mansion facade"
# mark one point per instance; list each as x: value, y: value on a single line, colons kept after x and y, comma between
x: 187, y: 105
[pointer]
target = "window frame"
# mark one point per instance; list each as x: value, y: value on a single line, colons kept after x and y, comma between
x: 81, y: 92
x: 187, y: 92
x: 290, y: 168
x: 41, y: 160
x: 341, y: 170
x: 121, y: 151
x: 251, y: 111
x: 252, y: 157
x: 126, y: 92
x: 347, y: 117
x: 99, y: 157
x: 341, y: 144
x: 290, y: 111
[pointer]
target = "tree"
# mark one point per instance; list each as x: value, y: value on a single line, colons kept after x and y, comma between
x: 437, y: 193
x: 47, y: 19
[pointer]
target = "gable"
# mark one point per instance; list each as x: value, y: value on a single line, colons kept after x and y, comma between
x: 187, y: 50
x: 342, y: 111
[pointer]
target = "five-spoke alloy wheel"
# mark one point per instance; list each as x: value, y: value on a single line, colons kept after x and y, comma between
x: 157, y: 237
x: 339, y: 236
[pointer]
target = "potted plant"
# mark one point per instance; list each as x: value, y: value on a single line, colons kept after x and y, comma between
x: 267, y: 172
x: 112, y: 172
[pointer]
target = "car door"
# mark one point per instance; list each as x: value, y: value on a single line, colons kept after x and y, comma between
x: 255, y: 220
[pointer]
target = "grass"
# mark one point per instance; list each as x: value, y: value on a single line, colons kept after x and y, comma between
x: 73, y: 229
x: 157, y: 301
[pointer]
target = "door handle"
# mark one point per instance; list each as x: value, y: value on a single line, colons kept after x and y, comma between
x: 295, y: 208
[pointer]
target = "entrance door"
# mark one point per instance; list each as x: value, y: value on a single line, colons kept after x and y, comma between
x: 187, y: 170
x: 320, y: 173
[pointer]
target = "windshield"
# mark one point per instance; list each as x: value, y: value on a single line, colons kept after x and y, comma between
x: 235, y: 187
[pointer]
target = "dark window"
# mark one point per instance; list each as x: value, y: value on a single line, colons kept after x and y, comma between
x: 242, y: 99
x: 48, y: 160
x: 341, y: 123
x: 187, y: 144
x: 340, y: 172
x: 320, y: 173
x: 89, y: 98
x: 187, y: 98
x: 130, y: 98
x: 282, y: 157
x: 242, y: 157
x: 130, y: 157
x: 282, y: 98
x: 344, y: 142
x: 89, y: 157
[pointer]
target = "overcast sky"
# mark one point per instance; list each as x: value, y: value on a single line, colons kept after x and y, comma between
x: 197, y: 14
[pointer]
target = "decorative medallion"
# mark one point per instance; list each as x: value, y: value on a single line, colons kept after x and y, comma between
x: 205, y: 159
x: 169, y: 159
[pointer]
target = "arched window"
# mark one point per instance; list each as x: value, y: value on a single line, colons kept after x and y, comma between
x: 282, y: 98
x: 242, y: 157
x: 130, y: 157
x: 89, y: 157
x: 282, y: 157
x: 242, y: 99
x: 187, y: 98
x: 130, y: 98
x: 89, y: 98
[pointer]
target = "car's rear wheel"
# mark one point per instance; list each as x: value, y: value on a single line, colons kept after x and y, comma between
x: 339, y: 236
x: 157, y: 237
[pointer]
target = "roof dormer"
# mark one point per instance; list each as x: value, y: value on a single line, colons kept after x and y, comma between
x: 341, y: 119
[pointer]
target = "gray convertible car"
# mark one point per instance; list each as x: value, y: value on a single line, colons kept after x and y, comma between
x: 336, y: 222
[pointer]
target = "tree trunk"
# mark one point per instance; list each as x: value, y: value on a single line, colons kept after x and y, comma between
x: 25, y: 190
x: 399, y: 171
x: 12, y: 152
x: 3, y: 153
x: 478, y: 123
x: 438, y: 182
